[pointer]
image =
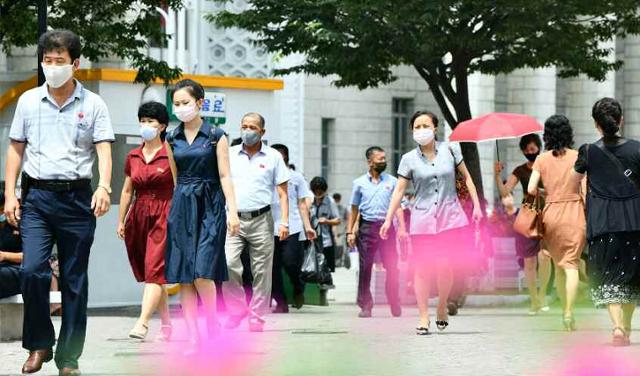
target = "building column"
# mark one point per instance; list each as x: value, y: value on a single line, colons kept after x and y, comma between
x: 628, y: 84
x: 525, y: 91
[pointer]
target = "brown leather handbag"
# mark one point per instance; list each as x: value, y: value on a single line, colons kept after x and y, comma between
x: 529, y: 219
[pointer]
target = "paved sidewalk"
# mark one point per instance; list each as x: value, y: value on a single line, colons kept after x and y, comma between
x: 333, y: 341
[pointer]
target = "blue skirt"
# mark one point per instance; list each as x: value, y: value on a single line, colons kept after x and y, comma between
x: 196, y: 233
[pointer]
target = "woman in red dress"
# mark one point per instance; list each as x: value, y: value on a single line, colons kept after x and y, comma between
x: 144, y: 207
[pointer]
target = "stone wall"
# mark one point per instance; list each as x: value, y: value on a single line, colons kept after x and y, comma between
x: 362, y: 118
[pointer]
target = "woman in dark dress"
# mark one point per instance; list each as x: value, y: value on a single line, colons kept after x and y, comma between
x: 144, y: 207
x: 528, y: 249
x: 613, y: 217
x: 195, y: 258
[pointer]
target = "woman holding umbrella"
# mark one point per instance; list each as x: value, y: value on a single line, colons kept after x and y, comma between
x: 437, y: 216
x: 563, y: 216
x: 528, y: 249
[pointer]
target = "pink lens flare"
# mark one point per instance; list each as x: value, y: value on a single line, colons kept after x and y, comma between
x: 592, y: 355
x: 230, y: 353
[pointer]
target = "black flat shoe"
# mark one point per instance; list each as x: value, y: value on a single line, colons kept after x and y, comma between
x: 298, y: 301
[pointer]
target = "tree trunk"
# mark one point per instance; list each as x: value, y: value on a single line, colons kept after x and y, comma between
x: 472, y: 161
x: 462, y: 110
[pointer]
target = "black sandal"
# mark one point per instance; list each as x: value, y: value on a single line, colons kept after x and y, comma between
x: 442, y: 324
x: 423, y: 331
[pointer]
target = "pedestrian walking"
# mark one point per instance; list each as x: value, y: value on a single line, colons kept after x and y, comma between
x: 339, y: 233
x: 536, y: 259
x: 370, y: 198
x: 437, y: 218
x: 563, y: 215
x: 257, y: 170
x: 197, y: 224
x: 611, y: 165
x: 289, y: 254
x: 142, y: 221
x: 325, y: 216
x: 58, y: 129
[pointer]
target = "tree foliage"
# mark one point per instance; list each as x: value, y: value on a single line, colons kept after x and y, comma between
x: 121, y: 28
x: 444, y: 40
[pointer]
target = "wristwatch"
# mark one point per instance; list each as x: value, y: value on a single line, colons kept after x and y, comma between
x: 285, y: 225
x: 105, y: 187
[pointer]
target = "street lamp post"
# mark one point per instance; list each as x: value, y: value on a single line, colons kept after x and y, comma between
x: 42, y: 28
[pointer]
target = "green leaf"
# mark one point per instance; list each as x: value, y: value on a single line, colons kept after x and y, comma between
x: 108, y: 28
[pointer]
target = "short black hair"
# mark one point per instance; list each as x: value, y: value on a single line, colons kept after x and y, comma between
x: 255, y: 115
x: 193, y: 88
x: 371, y: 150
x: 607, y: 112
x: 236, y: 141
x: 528, y: 139
x: 318, y: 184
x: 284, y: 150
x: 417, y: 114
x: 337, y: 196
x: 55, y: 40
x: 292, y: 166
x: 558, y: 134
x: 156, y: 111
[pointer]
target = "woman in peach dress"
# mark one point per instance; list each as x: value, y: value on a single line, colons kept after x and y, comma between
x: 563, y: 216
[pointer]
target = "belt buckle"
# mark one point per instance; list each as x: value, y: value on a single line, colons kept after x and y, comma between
x: 245, y: 215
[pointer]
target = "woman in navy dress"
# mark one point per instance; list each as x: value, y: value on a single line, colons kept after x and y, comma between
x: 197, y: 225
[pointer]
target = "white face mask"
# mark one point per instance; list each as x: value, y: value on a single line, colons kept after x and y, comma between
x: 148, y: 132
x: 423, y: 136
x: 57, y: 75
x: 186, y: 113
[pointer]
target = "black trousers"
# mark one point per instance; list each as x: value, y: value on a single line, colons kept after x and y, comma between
x: 67, y: 219
x: 9, y: 279
x: 370, y: 243
x: 288, y: 255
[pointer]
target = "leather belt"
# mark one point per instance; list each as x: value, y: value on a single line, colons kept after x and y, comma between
x: 255, y: 213
x: 57, y: 185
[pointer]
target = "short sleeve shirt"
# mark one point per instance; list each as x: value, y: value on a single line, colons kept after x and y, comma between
x: 554, y: 172
x: 436, y: 207
x: 327, y: 209
x: 371, y: 198
x: 60, y: 140
x: 613, y: 201
x: 298, y: 189
x: 523, y: 173
x: 255, y: 178
x: 153, y: 176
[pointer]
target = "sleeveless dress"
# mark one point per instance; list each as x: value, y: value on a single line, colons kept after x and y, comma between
x: 146, y: 224
x: 197, y: 224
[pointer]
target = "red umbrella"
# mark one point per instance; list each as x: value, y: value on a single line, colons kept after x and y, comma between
x: 495, y: 126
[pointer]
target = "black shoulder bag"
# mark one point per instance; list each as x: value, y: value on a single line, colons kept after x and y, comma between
x: 625, y: 171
